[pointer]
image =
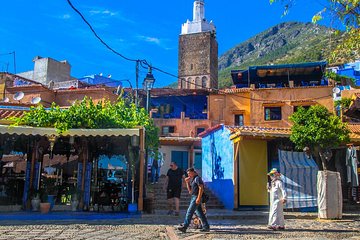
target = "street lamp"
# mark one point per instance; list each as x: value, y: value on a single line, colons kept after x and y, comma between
x: 148, y: 85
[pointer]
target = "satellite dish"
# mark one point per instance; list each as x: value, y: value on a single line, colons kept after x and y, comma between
x: 336, y: 90
x: 18, y: 96
x: 36, y: 100
x: 6, y: 99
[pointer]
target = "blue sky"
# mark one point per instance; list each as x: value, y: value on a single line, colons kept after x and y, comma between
x: 137, y: 29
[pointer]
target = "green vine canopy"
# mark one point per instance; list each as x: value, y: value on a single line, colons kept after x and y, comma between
x: 86, y: 114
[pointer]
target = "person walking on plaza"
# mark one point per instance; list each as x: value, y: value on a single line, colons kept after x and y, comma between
x: 277, y: 200
x: 195, y: 186
x: 173, y: 184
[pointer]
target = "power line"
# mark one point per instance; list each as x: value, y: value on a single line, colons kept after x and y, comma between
x: 138, y: 61
x: 97, y: 36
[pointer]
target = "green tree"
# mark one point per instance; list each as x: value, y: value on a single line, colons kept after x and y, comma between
x: 319, y: 130
x: 346, y: 12
x: 86, y: 114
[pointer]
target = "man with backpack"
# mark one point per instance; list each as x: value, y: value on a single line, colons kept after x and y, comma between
x: 195, y: 186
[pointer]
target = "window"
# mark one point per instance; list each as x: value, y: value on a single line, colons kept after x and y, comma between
x: 239, y: 120
x: 168, y: 129
x: 204, y: 82
x: 272, y: 113
x: 198, y: 161
x: 199, y: 130
x: 297, y: 107
x: 198, y: 83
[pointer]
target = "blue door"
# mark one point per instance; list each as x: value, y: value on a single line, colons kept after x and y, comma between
x: 180, y: 158
x: 198, y: 161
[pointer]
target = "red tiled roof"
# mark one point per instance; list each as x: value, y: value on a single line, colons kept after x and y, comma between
x: 156, y: 92
x: 6, y: 113
x: 258, y: 131
x: 236, y: 131
x: 209, y: 130
x: 235, y: 90
x: 354, y: 128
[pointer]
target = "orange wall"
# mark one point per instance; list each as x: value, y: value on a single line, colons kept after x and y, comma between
x: 30, y: 92
x: 67, y: 97
x: 223, y: 107
x: 253, y: 109
x: 183, y: 127
x: 349, y: 93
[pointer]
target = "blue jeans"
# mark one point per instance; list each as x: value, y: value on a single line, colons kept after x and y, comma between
x: 195, y: 208
x: 155, y: 172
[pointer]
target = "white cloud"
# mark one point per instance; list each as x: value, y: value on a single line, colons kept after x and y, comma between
x: 154, y: 40
x: 103, y: 12
x: 65, y: 16
x: 150, y: 39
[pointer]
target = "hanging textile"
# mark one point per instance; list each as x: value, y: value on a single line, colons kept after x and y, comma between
x: 299, y: 177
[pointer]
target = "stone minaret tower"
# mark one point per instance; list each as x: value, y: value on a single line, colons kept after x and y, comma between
x: 198, y: 52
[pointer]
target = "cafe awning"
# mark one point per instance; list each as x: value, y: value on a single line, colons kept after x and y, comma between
x: 41, y: 131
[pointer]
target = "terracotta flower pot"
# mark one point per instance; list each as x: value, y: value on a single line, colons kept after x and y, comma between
x: 44, y: 207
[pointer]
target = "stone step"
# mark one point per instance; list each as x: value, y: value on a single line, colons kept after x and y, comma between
x: 160, y: 197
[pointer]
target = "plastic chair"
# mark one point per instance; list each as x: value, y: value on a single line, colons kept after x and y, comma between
x: 304, y: 83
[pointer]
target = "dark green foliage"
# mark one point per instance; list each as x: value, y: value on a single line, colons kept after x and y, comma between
x: 300, y: 42
x: 344, y: 103
x: 86, y: 114
x: 317, y: 127
x: 339, y: 78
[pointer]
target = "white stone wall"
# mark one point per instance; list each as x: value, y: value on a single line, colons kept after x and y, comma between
x: 199, y: 23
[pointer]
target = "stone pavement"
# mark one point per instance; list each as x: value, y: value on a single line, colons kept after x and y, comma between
x: 224, y: 225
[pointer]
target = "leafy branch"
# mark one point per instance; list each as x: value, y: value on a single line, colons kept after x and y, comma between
x: 86, y: 114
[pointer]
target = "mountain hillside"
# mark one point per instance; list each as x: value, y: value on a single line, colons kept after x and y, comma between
x: 289, y: 42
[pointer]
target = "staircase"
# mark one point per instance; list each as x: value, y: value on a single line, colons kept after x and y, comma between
x: 161, y: 203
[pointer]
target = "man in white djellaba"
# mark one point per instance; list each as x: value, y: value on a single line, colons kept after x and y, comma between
x: 277, y: 200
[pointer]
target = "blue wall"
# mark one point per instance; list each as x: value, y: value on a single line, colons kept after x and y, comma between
x: 351, y: 70
x: 172, y: 106
x: 218, y: 165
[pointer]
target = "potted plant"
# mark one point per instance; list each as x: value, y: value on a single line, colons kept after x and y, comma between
x: 35, y: 199
x: 44, y: 205
x: 75, y: 196
x: 51, y: 189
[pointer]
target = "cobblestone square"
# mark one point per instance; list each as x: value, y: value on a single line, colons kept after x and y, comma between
x: 250, y: 225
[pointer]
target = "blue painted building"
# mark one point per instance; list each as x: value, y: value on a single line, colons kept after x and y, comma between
x: 236, y: 161
x: 180, y: 114
x: 101, y: 80
x: 218, y: 164
x: 351, y: 70
x: 278, y: 76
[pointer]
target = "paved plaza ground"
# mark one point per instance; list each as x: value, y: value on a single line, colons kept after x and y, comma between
x: 224, y: 225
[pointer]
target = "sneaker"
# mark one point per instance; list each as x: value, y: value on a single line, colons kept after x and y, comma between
x: 182, y: 229
x: 205, y: 230
x: 170, y: 212
x: 176, y: 213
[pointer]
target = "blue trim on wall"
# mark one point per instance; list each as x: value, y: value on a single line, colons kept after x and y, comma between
x: 218, y: 165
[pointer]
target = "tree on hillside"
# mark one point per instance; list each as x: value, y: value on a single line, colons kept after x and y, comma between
x: 346, y: 12
x: 319, y: 130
